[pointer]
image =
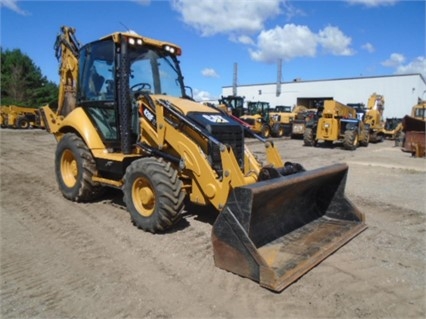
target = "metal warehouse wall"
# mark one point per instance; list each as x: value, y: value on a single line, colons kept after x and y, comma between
x: 401, y: 92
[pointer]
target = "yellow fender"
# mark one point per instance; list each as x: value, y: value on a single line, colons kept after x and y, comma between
x: 78, y: 121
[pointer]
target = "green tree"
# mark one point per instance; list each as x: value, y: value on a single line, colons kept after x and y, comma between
x: 22, y: 82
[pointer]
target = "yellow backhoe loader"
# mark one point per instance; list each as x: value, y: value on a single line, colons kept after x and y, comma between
x: 124, y: 120
x: 20, y: 117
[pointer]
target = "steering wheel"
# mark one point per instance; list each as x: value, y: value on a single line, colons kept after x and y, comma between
x: 138, y: 88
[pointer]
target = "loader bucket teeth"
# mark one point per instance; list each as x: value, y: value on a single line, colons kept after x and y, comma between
x: 275, y: 231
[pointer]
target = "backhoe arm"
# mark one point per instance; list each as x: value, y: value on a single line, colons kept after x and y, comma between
x: 67, y: 52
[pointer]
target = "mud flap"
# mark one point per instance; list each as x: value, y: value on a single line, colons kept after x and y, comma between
x: 275, y: 231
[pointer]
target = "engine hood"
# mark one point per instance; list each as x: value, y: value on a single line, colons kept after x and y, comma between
x: 186, y: 106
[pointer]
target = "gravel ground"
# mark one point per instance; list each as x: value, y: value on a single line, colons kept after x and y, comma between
x: 61, y: 259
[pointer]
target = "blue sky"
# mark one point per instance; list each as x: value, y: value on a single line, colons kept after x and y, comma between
x: 314, y: 39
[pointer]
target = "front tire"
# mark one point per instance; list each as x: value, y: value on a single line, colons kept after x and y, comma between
x: 350, y: 141
x: 365, y: 139
x: 75, y: 167
x: 153, y: 194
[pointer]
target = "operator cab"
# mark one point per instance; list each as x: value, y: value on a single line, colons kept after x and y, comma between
x: 109, y: 95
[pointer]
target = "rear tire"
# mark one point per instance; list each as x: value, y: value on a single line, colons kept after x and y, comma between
x: 278, y: 130
x: 308, y: 137
x: 266, y: 131
x: 23, y: 123
x: 350, y: 141
x: 153, y: 194
x: 75, y: 167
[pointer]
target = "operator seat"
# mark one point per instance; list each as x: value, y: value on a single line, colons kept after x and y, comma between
x: 95, y: 82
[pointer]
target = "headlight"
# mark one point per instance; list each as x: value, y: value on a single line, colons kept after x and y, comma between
x: 172, y: 50
x: 169, y: 48
x: 133, y: 41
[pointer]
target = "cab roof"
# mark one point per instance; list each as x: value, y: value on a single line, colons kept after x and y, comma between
x: 116, y: 36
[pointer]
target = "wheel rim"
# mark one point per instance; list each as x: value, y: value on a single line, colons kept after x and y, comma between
x: 143, y: 197
x: 69, y: 168
x: 266, y: 132
x: 24, y: 124
x: 356, y: 140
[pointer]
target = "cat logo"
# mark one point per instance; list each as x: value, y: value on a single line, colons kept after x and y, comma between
x: 215, y: 118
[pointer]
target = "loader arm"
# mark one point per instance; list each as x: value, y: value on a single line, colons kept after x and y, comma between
x: 206, y: 186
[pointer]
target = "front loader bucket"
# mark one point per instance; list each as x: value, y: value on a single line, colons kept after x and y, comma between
x: 275, y: 231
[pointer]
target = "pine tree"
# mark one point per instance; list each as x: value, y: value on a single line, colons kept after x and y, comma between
x: 22, y: 82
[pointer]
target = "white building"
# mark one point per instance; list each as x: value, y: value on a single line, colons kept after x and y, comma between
x: 401, y: 92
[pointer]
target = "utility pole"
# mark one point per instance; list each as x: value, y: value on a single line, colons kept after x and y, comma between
x: 235, y: 80
x: 279, y: 75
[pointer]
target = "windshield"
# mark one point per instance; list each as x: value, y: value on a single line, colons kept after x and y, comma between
x: 257, y: 108
x: 155, y: 72
x: 420, y: 113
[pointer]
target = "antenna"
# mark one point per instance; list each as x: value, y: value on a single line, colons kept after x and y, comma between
x: 125, y: 26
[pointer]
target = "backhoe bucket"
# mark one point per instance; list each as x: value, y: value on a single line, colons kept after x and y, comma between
x: 275, y: 231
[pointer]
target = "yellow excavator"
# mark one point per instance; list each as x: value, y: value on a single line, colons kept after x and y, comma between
x: 124, y: 120
x: 373, y: 118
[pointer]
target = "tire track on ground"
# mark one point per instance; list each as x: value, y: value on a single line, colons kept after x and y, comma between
x: 63, y: 259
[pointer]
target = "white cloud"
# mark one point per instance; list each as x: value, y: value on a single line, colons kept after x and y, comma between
x: 241, y: 20
x: 211, y: 17
x: 373, y: 3
x: 291, y: 41
x: 291, y: 11
x: 334, y: 41
x: 13, y: 5
x: 284, y: 42
x: 418, y: 65
x: 244, y: 39
x: 209, y: 73
x: 397, y: 60
x: 201, y: 96
x: 368, y: 47
x: 394, y: 60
